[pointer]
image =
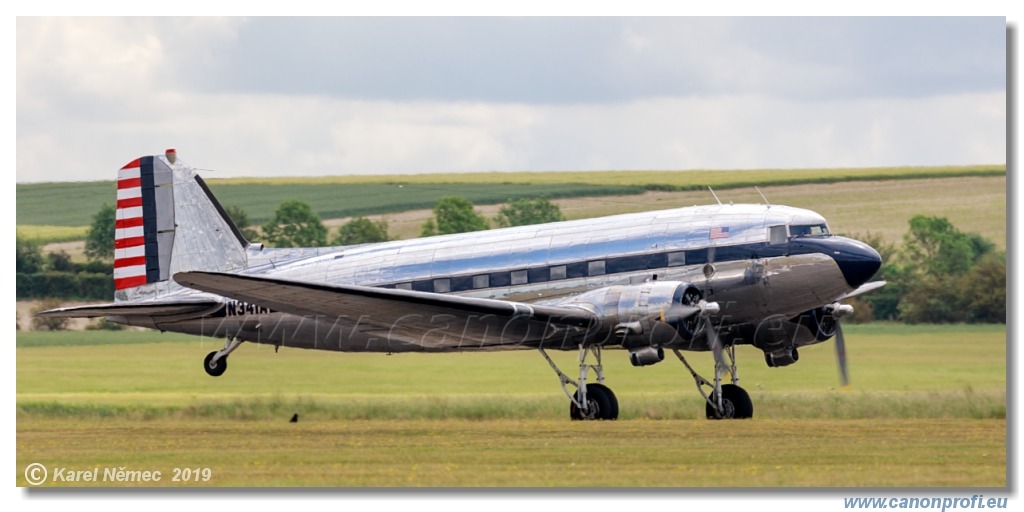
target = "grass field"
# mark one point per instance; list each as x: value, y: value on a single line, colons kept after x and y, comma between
x: 927, y: 408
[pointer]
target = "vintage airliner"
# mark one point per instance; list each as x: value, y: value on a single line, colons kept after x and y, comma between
x: 703, y: 278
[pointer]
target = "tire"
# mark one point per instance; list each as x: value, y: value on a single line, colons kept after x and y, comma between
x: 602, y: 402
x: 215, y: 370
x: 736, y: 403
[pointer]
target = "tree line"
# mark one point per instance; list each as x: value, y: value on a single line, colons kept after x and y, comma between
x: 940, y: 275
x: 294, y: 224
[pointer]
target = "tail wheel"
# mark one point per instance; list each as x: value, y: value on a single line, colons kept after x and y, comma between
x: 601, y: 404
x: 215, y: 369
x: 736, y: 404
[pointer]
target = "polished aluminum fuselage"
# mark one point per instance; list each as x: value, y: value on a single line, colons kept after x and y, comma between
x: 726, y: 251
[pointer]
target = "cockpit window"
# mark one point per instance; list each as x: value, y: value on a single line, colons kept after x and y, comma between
x: 809, y: 230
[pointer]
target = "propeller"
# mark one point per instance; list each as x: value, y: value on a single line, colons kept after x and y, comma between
x: 711, y: 308
x: 837, y: 311
x: 844, y: 375
x: 679, y: 312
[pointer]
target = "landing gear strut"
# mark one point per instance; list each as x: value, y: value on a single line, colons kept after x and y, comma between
x: 216, y: 363
x: 590, y: 401
x: 724, y: 401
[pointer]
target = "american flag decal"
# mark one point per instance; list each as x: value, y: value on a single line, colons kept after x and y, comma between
x: 719, y: 233
x: 139, y: 253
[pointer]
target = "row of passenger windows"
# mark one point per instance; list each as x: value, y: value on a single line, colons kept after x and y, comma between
x: 545, y: 274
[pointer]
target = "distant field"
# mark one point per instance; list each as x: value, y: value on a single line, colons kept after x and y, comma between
x: 927, y: 408
x: 80, y: 201
x: 972, y: 204
x: 655, y: 179
x: 342, y: 196
x: 52, y: 234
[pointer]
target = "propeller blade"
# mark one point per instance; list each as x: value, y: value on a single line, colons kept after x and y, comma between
x: 715, y: 343
x: 844, y: 376
x: 679, y: 312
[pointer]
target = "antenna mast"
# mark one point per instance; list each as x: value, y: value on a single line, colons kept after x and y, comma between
x: 714, y: 194
x: 762, y: 196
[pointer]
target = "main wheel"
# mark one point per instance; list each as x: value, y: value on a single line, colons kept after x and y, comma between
x: 601, y: 404
x: 735, y: 402
x: 215, y: 369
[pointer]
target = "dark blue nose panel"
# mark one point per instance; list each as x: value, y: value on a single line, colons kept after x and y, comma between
x: 857, y: 260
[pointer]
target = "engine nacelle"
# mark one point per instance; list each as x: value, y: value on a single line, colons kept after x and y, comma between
x: 648, y: 314
x: 820, y: 322
x: 645, y: 356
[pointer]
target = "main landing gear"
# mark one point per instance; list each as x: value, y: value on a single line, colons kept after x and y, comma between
x: 595, y: 401
x: 590, y: 401
x: 216, y: 363
x: 723, y: 401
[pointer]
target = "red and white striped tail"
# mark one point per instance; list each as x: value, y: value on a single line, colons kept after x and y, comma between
x: 144, y: 206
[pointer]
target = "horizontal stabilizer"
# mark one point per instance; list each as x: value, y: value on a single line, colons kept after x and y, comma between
x: 138, y: 309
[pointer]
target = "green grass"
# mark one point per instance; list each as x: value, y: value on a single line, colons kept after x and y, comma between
x: 891, y: 362
x: 927, y: 408
x: 29, y: 339
x: 342, y: 196
x: 531, y: 453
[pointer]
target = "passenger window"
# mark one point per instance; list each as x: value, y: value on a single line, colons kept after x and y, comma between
x: 558, y: 272
x: 481, y: 281
x: 676, y: 259
x: 595, y: 268
x: 519, y: 277
x: 442, y: 285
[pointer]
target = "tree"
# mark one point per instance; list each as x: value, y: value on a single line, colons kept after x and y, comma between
x: 454, y: 215
x: 933, y: 246
x: 361, y: 230
x: 60, y: 261
x: 295, y: 225
x: 523, y: 212
x: 241, y: 220
x: 943, y: 278
x: 984, y: 289
x: 30, y: 257
x: 99, y: 242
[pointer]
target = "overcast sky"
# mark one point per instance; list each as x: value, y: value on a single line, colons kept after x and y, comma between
x: 321, y: 96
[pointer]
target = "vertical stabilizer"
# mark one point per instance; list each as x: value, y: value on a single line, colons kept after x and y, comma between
x: 168, y: 222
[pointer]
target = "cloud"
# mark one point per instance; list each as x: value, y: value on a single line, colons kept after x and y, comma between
x: 272, y: 135
x: 310, y: 96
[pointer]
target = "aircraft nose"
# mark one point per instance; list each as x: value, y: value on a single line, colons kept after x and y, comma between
x: 857, y: 260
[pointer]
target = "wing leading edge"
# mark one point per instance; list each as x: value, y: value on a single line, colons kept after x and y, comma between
x: 431, y: 319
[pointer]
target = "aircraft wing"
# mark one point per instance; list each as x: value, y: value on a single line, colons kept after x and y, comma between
x: 432, y: 320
